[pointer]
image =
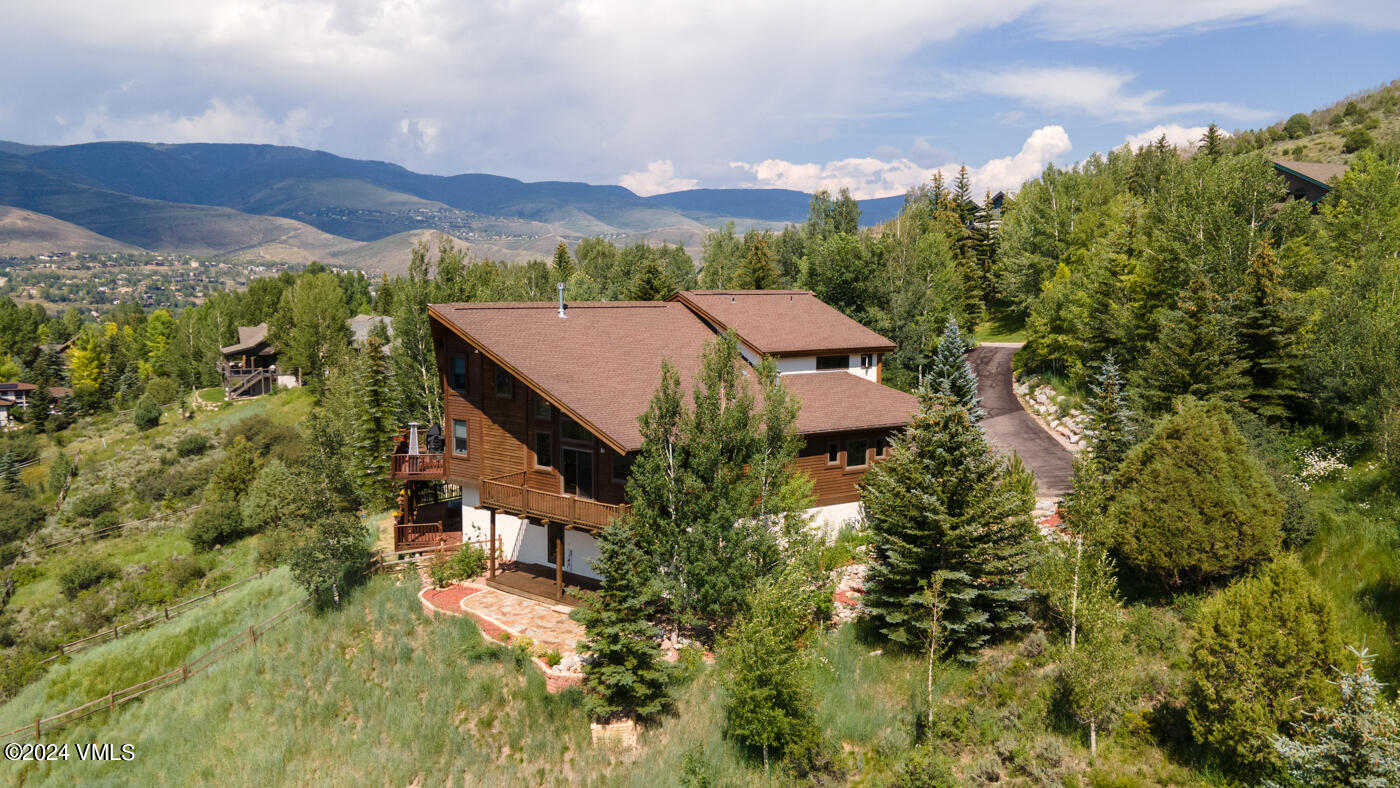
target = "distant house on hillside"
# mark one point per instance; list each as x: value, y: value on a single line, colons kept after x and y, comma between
x: 1309, y: 180
x: 18, y: 395
x: 249, y: 367
x: 362, y: 325
x: 541, y: 403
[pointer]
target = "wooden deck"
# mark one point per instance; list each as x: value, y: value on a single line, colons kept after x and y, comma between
x: 537, y: 583
x: 434, y: 525
x: 408, y: 467
x: 509, y: 494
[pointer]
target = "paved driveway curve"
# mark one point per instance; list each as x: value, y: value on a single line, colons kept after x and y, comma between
x: 1009, y: 426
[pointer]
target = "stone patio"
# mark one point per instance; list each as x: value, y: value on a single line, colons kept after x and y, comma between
x: 548, y: 625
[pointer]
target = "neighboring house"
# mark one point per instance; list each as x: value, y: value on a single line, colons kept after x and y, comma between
x: 6, y: 404
x: 541, y: 405
x: 361, y: 325
x: 249, y: 367
x: 18, y: 395
x: 1308, y: 180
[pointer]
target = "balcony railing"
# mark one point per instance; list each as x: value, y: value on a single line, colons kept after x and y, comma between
x: 416, y: 466
x: 509, y: 493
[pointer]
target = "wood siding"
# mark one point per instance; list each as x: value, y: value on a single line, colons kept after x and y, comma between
x: 835, y: 483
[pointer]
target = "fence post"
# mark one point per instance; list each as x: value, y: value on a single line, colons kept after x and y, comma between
x: 112, y: 700
x: 185, y: 672
x: 253, y: 635
x: 36, y: 730
x: 167, y: 614
x: 60, y: 649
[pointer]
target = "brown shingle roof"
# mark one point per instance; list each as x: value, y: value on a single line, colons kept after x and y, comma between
x: 838, y: 401
x: 249, y: 337
x: 783, y: 322
x: 602, y: 362
x: 17, y: 387
x: 1322, y: 173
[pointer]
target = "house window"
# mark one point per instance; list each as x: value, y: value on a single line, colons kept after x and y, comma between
x: 833, y: 362
x: 855, y: 452
x: 459, y: 373
x: 833, y: 453
x: 505, y: 385
x: 867, y: 360
x: 459, y: 437
x: 882, y: 446
x: 622, y: 466
x: 543, y: 410
x: 573, y: 431
x: 544, y: 449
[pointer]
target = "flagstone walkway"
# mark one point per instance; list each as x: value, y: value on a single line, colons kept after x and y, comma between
x: 548, y: 625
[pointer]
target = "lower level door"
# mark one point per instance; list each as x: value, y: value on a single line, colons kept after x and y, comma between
x: 578, y: 472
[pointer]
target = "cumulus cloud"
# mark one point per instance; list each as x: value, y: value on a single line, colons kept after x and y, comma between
x: 1178, y: 135
x: 1095, y: 91
x: 870, y: 177
x: 658, y: 178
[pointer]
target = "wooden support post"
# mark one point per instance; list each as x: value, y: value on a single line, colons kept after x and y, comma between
x: 112, y: 700
x: 491, y: 562
x: 185, y: 672
x: 559, y: 566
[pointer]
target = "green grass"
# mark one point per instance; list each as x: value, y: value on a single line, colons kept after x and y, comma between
x: 1001, y: 327
x: 215, y: 394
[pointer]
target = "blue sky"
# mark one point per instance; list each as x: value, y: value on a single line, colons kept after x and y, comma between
x: 874, y: 96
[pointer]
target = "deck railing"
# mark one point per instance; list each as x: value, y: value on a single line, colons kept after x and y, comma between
x: 419, y: 535
x: 423, y: 466
x: 509, y: 493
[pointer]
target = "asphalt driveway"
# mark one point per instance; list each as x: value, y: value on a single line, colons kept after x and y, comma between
x: 1010, y: 427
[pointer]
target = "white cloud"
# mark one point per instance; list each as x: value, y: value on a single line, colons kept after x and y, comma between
x: 1178, y: 135
x: 658, y: 178
x: 240, y: 120
x: 1094, y: 91
x: 871, y: 177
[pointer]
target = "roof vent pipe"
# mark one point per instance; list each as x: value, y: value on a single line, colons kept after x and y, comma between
x: 561, y: 300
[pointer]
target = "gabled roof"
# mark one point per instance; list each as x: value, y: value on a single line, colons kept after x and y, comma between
x: 783, y: 322
x: 17, y: 387
x: 837, y: 401
x: 5, y: 403
x: 249, y: 338
x: 1316, y: 172
x: 600, y: 365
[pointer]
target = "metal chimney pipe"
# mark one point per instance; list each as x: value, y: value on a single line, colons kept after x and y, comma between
x: 561, y: 300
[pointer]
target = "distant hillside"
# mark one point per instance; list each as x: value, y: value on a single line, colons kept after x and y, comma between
x: 25, y: 234
x: 1372, y: 111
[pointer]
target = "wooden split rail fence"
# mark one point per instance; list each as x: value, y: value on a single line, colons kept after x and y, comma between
x: 166, y: 614
x: 111, y: 700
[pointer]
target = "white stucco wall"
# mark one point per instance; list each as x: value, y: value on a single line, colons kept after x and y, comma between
x: 523, y: 540
x: 828, y: 520
x: 795, y: 365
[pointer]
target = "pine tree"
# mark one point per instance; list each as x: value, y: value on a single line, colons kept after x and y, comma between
x: 1269, y: 331
x: 375, y: 424
x: 626, y: 677
x: 942, y: 504
x: 764, y: 663
x: 563, y: 263
x: 146, y: 414
x: 9, y: 475
x: 651, y: 284
x: 1355, y: 745
x: 1213, y: 142
x: 950, y: 372
x: 758, y: 271
x: 1195, y: 353
x: 1110, y: 420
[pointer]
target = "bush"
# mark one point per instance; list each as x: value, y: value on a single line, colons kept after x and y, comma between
x: 464, y: 564
x: 163, y: 390
x: 92, y: 504
x: 266, y: 437
x: 108, y: 519
x: 192, y: 445
x: 924, y: 767
x: 146, y: 414
x: 216, y: 523
x: 1177, y: 522
x: 1356, y: 140
x: 1297, y: 126
x: 83, y: 574
x: 18, y: 518
x: 23, y: 446
x: 180, y: 481
x: 1262, y: 654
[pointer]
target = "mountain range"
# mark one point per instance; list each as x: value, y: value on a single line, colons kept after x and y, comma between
x: 266, y: 202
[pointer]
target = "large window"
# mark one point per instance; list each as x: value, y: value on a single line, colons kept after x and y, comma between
x: 505, y: 385
x: 571, y: 430
x: 544, y: 450
x: 833, y: 362
x: 543, y: 410
x: 459, y: 437
x: 855, y: 452
x: 458, y: 377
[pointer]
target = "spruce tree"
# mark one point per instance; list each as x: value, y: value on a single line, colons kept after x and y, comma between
x: 10, y: 481
x: 1213, y: 142
x: 563, y: 263
x: 758, y: 271
x: 376, y: 416
x: 1269, y: 331
x: 943, y: 504
x: 1110, y: 420
x: 1355, y: 745
x: 1195, y: 353
x: 626, y: 677
x: 651, y: 284
x: 950, y: 372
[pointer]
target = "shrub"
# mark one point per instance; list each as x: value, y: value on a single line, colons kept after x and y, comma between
x: 18, y: 518
x: 552, y: 657
x: 216, y: 523
x: 1262, y: 653
x: 466, y: 563
x: 925, y: 767
x: 192, y: 445
x: 1357, y: 139
x: 163, y: 390
x: 83, y: 574
x: 146, y: 414
x: 180, y: 481
x: 1297, y: 126
x: 107, y: 519
x: 1177, y: 523
x: 90, y: 505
